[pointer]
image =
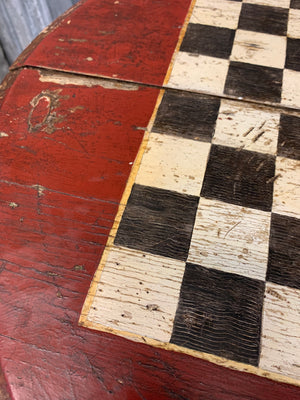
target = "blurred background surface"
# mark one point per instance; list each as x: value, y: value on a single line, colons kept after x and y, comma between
x: 21, y: 21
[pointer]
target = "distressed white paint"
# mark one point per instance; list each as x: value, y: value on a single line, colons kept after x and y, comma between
x: 248, y: 127
x: 293, y: 30
x: 138, y: 293
x: 221, y: 13
x: 280, y: 345
x: 273, y: 3
x: 174, y: 163
x: 286, y: 197
x: 290, y: 95
x: 259, y: 49
x: 198, y: 72
x: 231, y: 238
x: 78, y: 80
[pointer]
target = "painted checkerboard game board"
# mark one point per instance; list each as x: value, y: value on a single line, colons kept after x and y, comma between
x: 203, y: 257
x: 247, y: 49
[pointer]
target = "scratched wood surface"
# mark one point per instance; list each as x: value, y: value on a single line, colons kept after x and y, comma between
x: 223, y: 226
x: 115, y: 40
x: 69, y: 144
x: 49, y: 249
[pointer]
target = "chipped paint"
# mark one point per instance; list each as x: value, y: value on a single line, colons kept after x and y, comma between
x: 78, y: 80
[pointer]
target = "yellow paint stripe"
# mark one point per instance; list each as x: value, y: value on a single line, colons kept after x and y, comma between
x: 224, y: 362
x: 136, y: 165
x: 180, y: 39
x: 92, y: 291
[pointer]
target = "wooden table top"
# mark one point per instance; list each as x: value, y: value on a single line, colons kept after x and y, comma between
x: 150, y: 203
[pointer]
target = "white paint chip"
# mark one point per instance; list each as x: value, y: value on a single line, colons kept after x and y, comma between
x: 174, y: 163
x: 259, y: 49
x: 220, y: 13
x: 231, y: 238
x: 286, y: 198
x: 198, y: 72
x: 280, y: 344
x: 138, y: 293
x: 247, y: 127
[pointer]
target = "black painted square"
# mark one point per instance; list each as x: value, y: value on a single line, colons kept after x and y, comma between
x: 254, y: 82
x: 284, y: 251
x: 239, y: 177
x: 188, y: 115
x: 293, y: 54
x: 264, y: 19
x: 219, y: 313
x: 208, y: 40
x: 158, y: 221
x: 289, y: 137
x: 295, y: 4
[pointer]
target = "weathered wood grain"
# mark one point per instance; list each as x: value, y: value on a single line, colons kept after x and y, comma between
x: 287, y: 187
x: 112, y: 40
x: 266, y: 19
x: 158, y: 221
x: 293, y: 24
x: 208, y: 40
x: 138, y: 293
x: 218, y: 13
x: 237, y: 177
x: 254, y: 82
x: 293, y: 54
x: 230, y: 238
x: 198, y: 73
x: 174, y: 163
x: 187, y: 115
x: 284, y: 253
x: 219, y: 313
x: 248, y: 127
x: 288, y: 140
x: 280, y: 348
x: 259, y: 48
x: 290, y: 95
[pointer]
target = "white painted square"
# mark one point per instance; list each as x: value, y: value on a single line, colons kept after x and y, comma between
x: 280, y: 343
x: 286, y: 197
x: 231, y: 238
x: 138, y: 293
x: 221, y: 13
x: 198, y: 72
x: 272, y: 3
x: 290, y: 94
x: 248, y: 127
x: 174, y: 163
x: 293, y: 30
x: 259, y: 49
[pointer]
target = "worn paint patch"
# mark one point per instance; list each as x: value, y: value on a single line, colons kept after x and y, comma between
x: 80, y: 80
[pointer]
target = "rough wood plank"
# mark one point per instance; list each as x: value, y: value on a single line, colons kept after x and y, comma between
x: 138, y: 293
x: 158, y: 221
x: 242, y: 126
x: 287, y: 187
x: 174, y: 164
x: 125, y: 40
x: 217, y: 13
x: 280, y: 349
x: 231, y: 238
x: 214, y: 314
x: 259, y: 48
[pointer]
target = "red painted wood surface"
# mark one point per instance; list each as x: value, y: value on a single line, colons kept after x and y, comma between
x: 65, y: 155
x: 128, y: 40
x: 50, y: 244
